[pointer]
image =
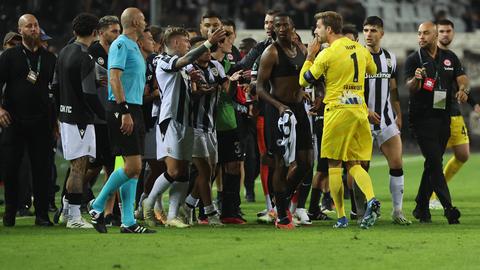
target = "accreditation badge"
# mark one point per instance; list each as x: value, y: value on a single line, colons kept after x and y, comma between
x: 440, y: 99
x: 32, y: 76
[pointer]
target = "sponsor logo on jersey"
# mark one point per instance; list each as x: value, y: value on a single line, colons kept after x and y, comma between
x: 447, y: 62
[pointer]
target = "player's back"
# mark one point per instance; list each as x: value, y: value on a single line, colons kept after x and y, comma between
x: 346, y: 64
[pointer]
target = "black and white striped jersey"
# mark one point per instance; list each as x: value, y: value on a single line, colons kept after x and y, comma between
x: 204, y: 106
x: 176, y: 90
x: 377, y: 88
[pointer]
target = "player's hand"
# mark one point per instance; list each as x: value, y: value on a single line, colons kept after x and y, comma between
x: 317, y: 106
x: 195, y: 75
x: 282, y: 109
x: 373, y: 117
x: 217, y: 36
x: 306, y: 97
x: 127, y: 124
x: 476, y: 108
x: 5, y: 119
x: 205, y: 88
x: 247, y: 74
x: 399, y: 122
x: 156, y: 93
x: 313, y: 48
x: 420, y: 73
x: 236, y: 76
x: 461, y: 97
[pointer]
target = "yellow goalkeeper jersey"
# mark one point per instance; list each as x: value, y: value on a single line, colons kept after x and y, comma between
x: 344, y: 65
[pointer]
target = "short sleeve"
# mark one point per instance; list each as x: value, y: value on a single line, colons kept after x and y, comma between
x: 458, y: 68
x: 411, y: 65
x: 88, y: 75
x: 167, y: 63
x: 117, y: 55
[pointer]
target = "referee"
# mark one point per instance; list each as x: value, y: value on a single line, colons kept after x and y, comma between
x: 432, y: 74
x: 27, y: 117
x: 126, y: 68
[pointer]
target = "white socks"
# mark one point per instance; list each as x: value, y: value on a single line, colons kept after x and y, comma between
x: 396, y: 189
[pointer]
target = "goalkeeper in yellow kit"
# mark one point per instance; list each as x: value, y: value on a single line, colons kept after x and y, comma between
x: 346, y: 133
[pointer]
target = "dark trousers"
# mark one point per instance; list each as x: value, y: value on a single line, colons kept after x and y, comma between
x: 248, y: 139
x: 432, y: 134
x: 35, y: 136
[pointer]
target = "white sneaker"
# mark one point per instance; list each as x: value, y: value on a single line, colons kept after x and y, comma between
x: 63, y: 219
x: 149, y: 215
x: 177, y: 223
x: 138, y: 214
x: 435, y: 205
x: 302, y: 216
x: 187, y: 214
x: 78, y: 223
x: 214, y: 220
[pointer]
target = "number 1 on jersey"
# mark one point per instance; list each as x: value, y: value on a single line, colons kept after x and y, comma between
x: 355, y: 65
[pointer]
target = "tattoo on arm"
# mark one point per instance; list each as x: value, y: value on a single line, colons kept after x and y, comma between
x: 190, y: 57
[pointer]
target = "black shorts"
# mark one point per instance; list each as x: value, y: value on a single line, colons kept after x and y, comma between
x: 229, y: 146
x: 123, y: 145
x: 104, y: 156
x: 302, y: 128
x: 322, y: 163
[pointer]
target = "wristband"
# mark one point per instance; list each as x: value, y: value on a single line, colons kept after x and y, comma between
x: 207, y: 44
x: 466, y: 91
x: 124, y: 108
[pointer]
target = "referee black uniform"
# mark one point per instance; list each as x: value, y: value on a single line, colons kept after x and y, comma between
x: 29, y: 101
x: 430, y: 123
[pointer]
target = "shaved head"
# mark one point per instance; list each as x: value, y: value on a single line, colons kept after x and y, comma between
x: 427, y: 25
x: 25, y: 19
x: 130, y: 15
x: 133, y: 21
x: 29, y: 28
x: 427, y: 35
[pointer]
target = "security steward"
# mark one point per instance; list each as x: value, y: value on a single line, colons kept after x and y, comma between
x: 432, y: 76
x: 27, y: 118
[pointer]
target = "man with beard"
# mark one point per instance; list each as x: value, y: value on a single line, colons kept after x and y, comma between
x: 291, y: 140
x: 458, y: 141
x: 346, y: 133
x: 27, y: 116
x: 432, y: 75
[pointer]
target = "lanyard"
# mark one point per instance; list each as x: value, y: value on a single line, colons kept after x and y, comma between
x: 30, y: 65
x: 434, y: 64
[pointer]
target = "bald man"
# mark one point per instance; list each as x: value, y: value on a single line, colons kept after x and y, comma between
x: 432, y: 75
x: 126, y: 127
x: 27, y: 118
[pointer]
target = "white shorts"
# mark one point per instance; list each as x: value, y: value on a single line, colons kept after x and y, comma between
x: 150, y: 151
x: 176, y: 142
x: 383, y: 135
x: 77, y: 142
x: 205, y: 145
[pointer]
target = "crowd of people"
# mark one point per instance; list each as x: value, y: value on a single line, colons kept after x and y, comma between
x: 179, y: 110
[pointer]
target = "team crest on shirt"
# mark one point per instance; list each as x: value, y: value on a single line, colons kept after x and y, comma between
x: 447, y: 62
x: 100, y: 61
x: 230, y: 57
x: 215, y: 71
x: 389, y: 62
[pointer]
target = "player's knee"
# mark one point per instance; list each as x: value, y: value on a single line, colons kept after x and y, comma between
x: 462, y: 156
x: 133, y: 171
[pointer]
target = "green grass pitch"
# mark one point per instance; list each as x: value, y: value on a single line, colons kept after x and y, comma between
x: 254, y: 246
